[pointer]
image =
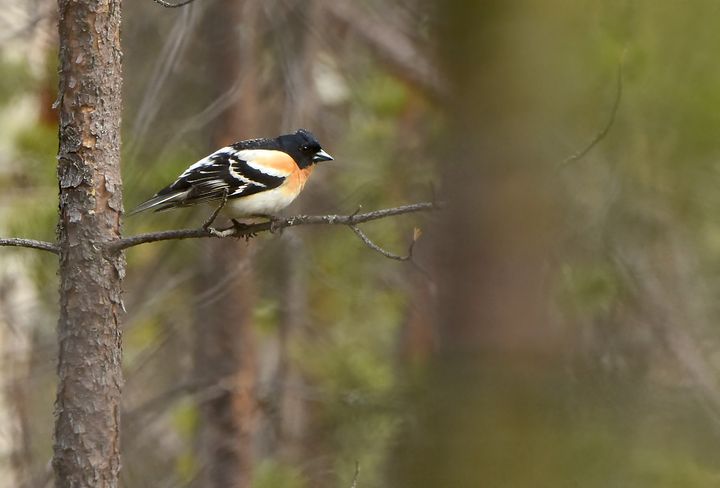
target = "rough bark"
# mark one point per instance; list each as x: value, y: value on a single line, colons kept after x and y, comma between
x: 87, y: 448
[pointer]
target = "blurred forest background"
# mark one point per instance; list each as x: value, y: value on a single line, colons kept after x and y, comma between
x: 558, y: 327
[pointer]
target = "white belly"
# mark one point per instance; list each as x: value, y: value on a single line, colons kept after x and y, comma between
x: 268, y: 203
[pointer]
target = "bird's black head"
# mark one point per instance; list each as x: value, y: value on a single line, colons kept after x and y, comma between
x: 304, y: 148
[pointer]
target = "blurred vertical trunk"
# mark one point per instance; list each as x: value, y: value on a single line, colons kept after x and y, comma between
x: 495, y: 339
x: 16, y: 296
x: 226, y: 343
x: 87, y: 440
x: 418, y: 336
x: 225, y: 359
x: 291, y: 418
x: 495, y: 236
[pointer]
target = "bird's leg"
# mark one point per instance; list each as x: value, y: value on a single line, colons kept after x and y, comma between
x: 213, y: 216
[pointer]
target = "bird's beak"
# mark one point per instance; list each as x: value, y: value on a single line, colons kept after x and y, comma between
x: 321, y: 156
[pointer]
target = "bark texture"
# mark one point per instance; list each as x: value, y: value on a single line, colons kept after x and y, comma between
x: 87, y: 447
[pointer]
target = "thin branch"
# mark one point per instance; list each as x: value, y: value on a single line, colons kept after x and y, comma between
x: 349, y: 220
x: 379, y: 249
x: 215, y: 213
x: 356, y: 477
x: 608, y: 125
x: 393, y: 47
x: 30, y: 243
x: 173, y: 5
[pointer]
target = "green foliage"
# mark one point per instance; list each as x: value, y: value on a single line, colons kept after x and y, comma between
x: 667, y: 469
x: 37, y: 148
x: 382, y: 96
x: 144, y: 333
x: 592, y: 290
x: 528, y: 427
x: 646, y: 194
x: 271, y: 474
x: 185, y: 421
x: 16, y: 79
x: 265, y: 316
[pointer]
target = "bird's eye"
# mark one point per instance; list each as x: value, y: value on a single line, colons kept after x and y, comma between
x: 305, y: 147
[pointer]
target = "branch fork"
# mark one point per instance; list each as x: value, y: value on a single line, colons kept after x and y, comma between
x: 239, y: 229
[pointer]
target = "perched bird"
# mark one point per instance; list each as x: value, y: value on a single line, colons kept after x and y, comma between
x: 257, y: 177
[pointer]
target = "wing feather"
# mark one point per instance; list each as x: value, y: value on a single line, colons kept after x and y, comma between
x: 238, y: 173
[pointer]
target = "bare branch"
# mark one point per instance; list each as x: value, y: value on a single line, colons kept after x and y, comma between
x: 392, y: 47
x: 611, y: 120
x: 215, y: 213
x: 173, y: 5
x: 379, y: 249
x: 349, y: 220
x: 30, y: 243
x: 356, y: 476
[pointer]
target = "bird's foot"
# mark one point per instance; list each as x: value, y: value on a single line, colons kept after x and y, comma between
x: 274, y: 221
x: 237, y: 229
x: 227, y: 232
x: 241, y: 230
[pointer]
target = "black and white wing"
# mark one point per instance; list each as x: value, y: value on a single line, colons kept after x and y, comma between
x: 228, y: 171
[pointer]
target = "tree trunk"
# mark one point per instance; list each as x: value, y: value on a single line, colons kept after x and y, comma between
x: 17, y: 296
x: 87, y: 447
x: 226, y: 341
x: 226, y: 360
x: 495, y: 344
x: 293, y: 416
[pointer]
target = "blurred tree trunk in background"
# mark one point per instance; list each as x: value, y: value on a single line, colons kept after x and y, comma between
x: 87, y: 447
x: 493, y: 242
x: 226, y: 361
x: 16, y: 327
x: 496, y: 231
x: 291, y: 417
x: 418, y: 336
x: 291, y: 414
x: 226, y: 342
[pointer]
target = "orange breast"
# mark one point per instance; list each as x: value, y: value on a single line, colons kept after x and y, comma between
x: 296, y: 181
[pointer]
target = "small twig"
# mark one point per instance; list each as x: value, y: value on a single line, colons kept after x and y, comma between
x: 173, y: 5
x: 215, y: 213
x: 295, y: 221
x: 356, y: 476
x: 379, y: 249
x: 30, y: 243
x: 393, y: 46
x: 357, y: 211
x: 611, y: 120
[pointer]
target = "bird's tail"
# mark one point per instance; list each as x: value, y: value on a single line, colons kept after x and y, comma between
x: 161, y: 202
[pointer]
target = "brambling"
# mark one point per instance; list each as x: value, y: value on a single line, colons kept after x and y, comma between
x: 257, y: 177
